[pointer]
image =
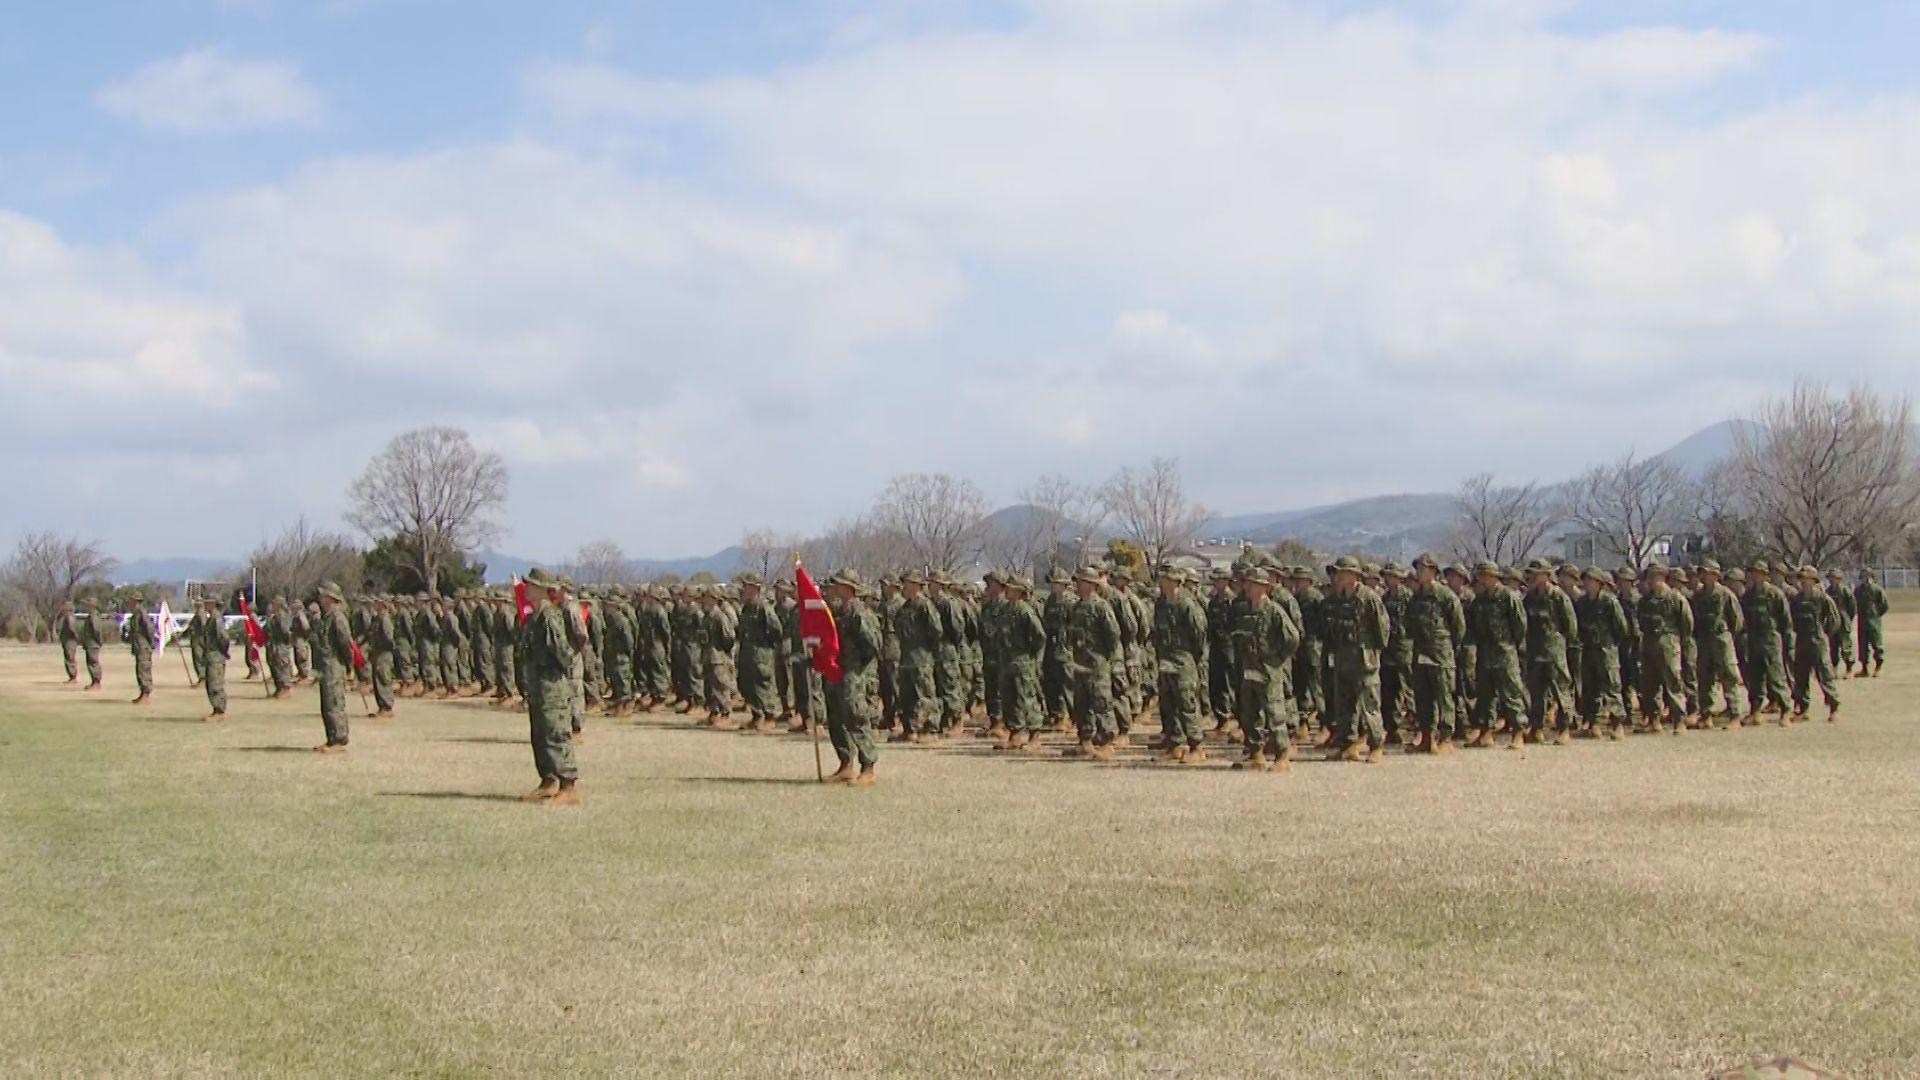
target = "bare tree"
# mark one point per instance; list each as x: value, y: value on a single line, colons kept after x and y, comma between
x: 1053, y: 512
x: 299, y: 559
x: 938, y: 517
x: 1629, y: 505
x: 1150, y: 507
x: 1293, y: 551
x: 601, y: 562
x: 1499, y: 524
x: 435, y: 491
x: 862, y: 544
x: 763, y: 549
x: 1830, y: 476
x: 1723, y: 517
x: 46, y: 570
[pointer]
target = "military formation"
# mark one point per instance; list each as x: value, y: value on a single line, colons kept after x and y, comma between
x: 1266, y: 659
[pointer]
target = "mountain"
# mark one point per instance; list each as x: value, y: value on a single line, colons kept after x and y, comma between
x: 172, y: 570
x: 1702, y: 450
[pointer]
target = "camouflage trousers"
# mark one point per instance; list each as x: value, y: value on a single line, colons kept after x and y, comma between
x: 1056, y: 687
x: 1396, y: 695
x: 1601, y: 703
x: 852, y: 709
x: 280, y: 666
x: 143, y: 672
x: 919, y: 697
x: 808, y: 689
x: 1093, y: 704
x: 620, y: 676
x: 889, y: 676
x: 1497, y: 694
x: 506, y: 672
x: 593, y: 675
x: 1810, y: 666
x: 990, y: 685
x: 1308, y: 695
x: 1019, y: 696
x: 1662, y: 694
x: 1179, y: 701
x: 1716, y: 666
x: 950, y: 681
x: 757, y: 687
x: 550, y: 703
x: 382, y: 666
x: 1549, y: 688
x: 685, y: 674
x: 1873, y: 642
x: 481, y: 662
x: 93, y: 663
x: 302, y: 658
x: 720, y: 683
x: 1767, y: 679
x: 427, y: 663
x: 654, y: 671
x: 577, y: 704
x: 1220, y: 685
x: 1434, y: 712
x: 1841, y: 650
x: 1267, y: 708
x: 70, y: 656
x: 213, y: 676
x: 1353, y: 704
x: 333, y: 705
x: 403, y: 668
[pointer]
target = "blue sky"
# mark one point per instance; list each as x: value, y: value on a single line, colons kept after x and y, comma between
x: 696, y: 269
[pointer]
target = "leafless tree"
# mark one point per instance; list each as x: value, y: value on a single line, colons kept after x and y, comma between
x: 1499, y: 524
x: 299, y: 559
x: 761, y: 550
x: 601, y: 562
x: 939, y: 518
x: 1830, y: 476
x: 435, y: 491
x: 1293, y: 551
x: 46, y: 570
x: 1629, y: 505
x: 1039, y: 534
x: 861, y: 544
x: 1150, y: 507
x: 1721, y: 515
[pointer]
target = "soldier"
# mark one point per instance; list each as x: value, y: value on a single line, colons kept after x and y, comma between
x: 1459, y: 580
x: 1396, y: 663
x: 1434, y: 624
x: 196, y: 656
x: 656, y: 647
x: 88, y: 635
x: 1354, y: 622
x: 1815, y: 620
x: 67, y: 629
x: 550, y: 647
x: 970, y: 652
x: 480, y: 637
x: 426, y: 643
x: 1126, y: 682
x: 1308, y: 694
x: 280, y: 667
x: 142, y: 637
x: 720, y: 634
x: 1841, y: 647
x: 593, y: 670
x: 760, y: 635
x: 1220, y: 670
x: 1869, y: 608
x: 1094, y: 638
x: 1682, y: 585
x: 618, y: 634
x: 889, y: 605
x: 303, y: 620
x: 400, y: 617
x: 574, y: 615
x: 1550, y: 623
x: 1056, y: 670
x: 1568, y: 579
x: 1663, y: 616
x: 1179, y: 633
x: 949, y: 674
x: 786, y: 613
x: 689, y: 641
x: 1769, y: 631
x: 1717, y: 621
x: 991, y: 625
x: 506, y: 634
x: 1626, y: 589
x: 809, y: 701
x: 917, y: 624
x: 853, y: 704
x: 1022, y: 645
x: 1498, y: 627
x: 215, y: 649
x: 1264, y: 639
x: 332, y: 641
x: 1603, y: 629
x: 380, y: 649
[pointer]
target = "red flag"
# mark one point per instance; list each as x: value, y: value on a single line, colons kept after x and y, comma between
x: 359, y: 658
x: 522, y: 604
x: 256, y: 634
x: 817, y: 629
x: 586, y: 613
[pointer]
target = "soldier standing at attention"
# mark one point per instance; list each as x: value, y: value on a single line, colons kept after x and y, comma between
x: 655, y: 632
x: 760, y: 634
x: 1626, y: 589
x: 1434, y: 625
x: 1842, y: 644
x: 426, y: 643
x: 67, y: 629
x: 1460, y: 581
x: 853, y: 704
x: 453, y: 649
x: 990, y: 656
x: 1869, y: 608
x: 1355, y: 625
x: 480, y: 635
x: 689, y: 645
x: 1396, y: 663
x: 1126, y: 683
x: 215, y: 649
x: 1056, y: 670
x: 720, y: 633
x: 381, y: 649
x: 1023, y: 648
x: 1220, y: 649
x: 593, y: 668
x: 333, y: 659
x: 88, y: 635
x: 1308, y: 694
x: 949, y: 675
x: 576, y: 621
x: 1264, y: 638
x: 889, y: 605
x: 1498, y: 628
x: 1094, y: 637
x: 809, y: 691
x: 1769, y: 626
x: 403, y: 651
x: 1717, y: 621
x: 1179, y: 632
x: 196, y: 655
x: 280, y: 646
x: 506, y: 670
x: 1663, y: 619
x: 1550, y: 623
x: 617, y: 631
x: 786, y: 612
x: 1682, y: 586
x: 1815, y: 621
x: 303, y: 617
x: 550, y: 648
x: 918, y: 626
x: 142, y: 637
x: 1603, y: 628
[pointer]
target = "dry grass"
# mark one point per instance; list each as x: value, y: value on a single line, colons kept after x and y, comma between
x: 184, y: 899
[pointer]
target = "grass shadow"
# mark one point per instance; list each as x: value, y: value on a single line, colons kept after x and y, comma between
x: 744, y: 780
x: 484, y: 740
x: 464, y: 796
x: 270, y: 749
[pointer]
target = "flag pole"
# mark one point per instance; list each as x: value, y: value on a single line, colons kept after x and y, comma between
x: 813, y: 723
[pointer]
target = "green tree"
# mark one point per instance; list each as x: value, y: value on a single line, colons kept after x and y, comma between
x: 391, y: 566
x: 1124, y: 552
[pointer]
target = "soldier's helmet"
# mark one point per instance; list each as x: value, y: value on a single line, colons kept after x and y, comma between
x: 848, y: 577
x: 1059, y: 577
x: 1708, y: 566
x: 539, y: 578
x: 1347, y: 564
x: 750, y: 578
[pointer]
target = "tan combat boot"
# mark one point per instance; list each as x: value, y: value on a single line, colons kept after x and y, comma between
x: 1196, y: 755
x: 1375, y: 756
x: 866, y: 778
x: 548, y: 789
x: 1519, y: 740
x: 847, y: 771
x: 1565, y: 738
x: 568, y: 795
x: 1353, y: 751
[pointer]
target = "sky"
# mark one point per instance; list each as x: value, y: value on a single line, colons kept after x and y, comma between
x: 695, y: 269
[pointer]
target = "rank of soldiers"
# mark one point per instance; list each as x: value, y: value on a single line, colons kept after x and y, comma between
x: 1267, y: 658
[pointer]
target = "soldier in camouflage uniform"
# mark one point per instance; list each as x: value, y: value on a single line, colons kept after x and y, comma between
x: 1022, y: 637
x: 280, y: 668
x: 1221, y: 682
x: 919, y: 627
x: 404, y: 671
x: 142, y: 637
x: 1056, y: 672
x: 991, y: 624
x: 719, y: 676
x: 303, y: 619
x: 803, y: 681
x: 1133, y: 620
x: 786, y: 613
x: 380, y: 651
x: 67, y: 630
x: 654, y: 666
x: 853, y: 704
x: 1815, y: 620
x: 196, y: 657
x: 1682, y: 584
x: 215, y: 649
x: 1842, y: 645
x: 1717, y: 621
x: 1433, y: 623
x: 616, y: 631
x: 949, y: 673
x: 480, y: 639
x: 689, y: 631
x: 1459, y: 580
x: 887, y: 607
x: 1626, y: 589
x: 550, y: 644
x: 1869, y: 608
x: 88, y: 635
x: 332, y: 641
x: 1769, y: 628
x: 1550, y: 625
x: 426, y: 643
x: 1354, y: 625
x: 1603, y: 630
x: 1093, y: 635
x: 1664, y: 620
x: 1264, y: 638
x: 506, y: 636
x: 1498, y: 628
x: 1396, y: 663
x: 1179, y: 633
x: 760, y: 634
x: 1308, y: 694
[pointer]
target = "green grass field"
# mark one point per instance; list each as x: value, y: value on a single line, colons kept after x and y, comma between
x: 183, y: 899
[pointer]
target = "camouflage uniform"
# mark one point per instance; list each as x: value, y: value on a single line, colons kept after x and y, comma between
x: 853, y: 704
x: 1663, y: 617
x: 1396, y: 662
x: 1056, y: 671
x: 1265, y: 637
x: 1434, y: 624
x: 1717, y: 620
x: 332, y: 641
x: 142, y: 638
x: 1498, y: 629
x: 1603, y: 630
x: 1815, y: 620
x: 1870, y: 607
x: 918, y: 626
x: 760, y: 634
x: 1093, y: 637
x: 550, y: 652
x: 1550, y: 624
x: 1179, y: 634
x: 1022, y: 644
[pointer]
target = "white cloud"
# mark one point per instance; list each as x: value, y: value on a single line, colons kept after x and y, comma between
x: 208, y: 92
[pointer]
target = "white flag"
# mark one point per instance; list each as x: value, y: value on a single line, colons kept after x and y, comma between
x: 164, y: 622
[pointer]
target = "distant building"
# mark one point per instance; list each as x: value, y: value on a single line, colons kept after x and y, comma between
x: 1591, y: 549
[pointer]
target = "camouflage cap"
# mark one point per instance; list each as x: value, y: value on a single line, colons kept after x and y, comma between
x: 1759, y: 566
x: 1737, y: 575
x: 1347, y: 564
x: 1091, y: 574
x: 1595, y: 573
x: 1019, y: 583
x: 846, y: 576
x: 1810, y: 571
x: 940, y: 577
x: 1120, y: 572
x: 1625, y: 573
x: 537, y: 577
x: 750, y: 578
x: 994, y: 577
x: 1512, y: 574
x: 332, y: 592
x: 1486, y: 568
x: 1460, y: 571
x: 1677, y: 573
x: 1393, y: 569
x: 1539, y: 566
x: 1656, y: 568
x: 1709, y: 566
x: 913, y: 577
x: 782, y: 585
x: 1059, y: 577
x: 1427, y: 560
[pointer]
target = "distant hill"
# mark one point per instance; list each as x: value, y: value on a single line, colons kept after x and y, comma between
x: 175, y: 569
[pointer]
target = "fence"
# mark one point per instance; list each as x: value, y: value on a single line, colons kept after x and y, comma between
x: 1898, y: 577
